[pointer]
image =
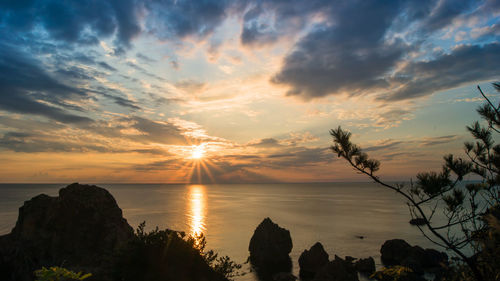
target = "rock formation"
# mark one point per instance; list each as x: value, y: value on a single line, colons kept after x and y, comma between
x: 418, y: 221
x: 399, y: 252
x: 83, y: 230
x: 269, y: 248
x: 337, y: 270
x: 365, y: 266
x: 312, y: 260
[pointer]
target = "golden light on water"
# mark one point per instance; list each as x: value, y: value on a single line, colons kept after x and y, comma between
x: 197, y: 209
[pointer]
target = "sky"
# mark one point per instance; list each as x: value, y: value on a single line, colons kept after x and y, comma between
x: 215, y: 91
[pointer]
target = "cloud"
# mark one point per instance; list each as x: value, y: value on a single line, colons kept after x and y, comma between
x: 132, y: 134
x: 144, y: 71
x: 156, y: 131
x: 74, y: 21
x: 438, y: 140
x: 345, y: 56
x: 190, y: 86
x: 371, y: 48
x: 24, y: 86
x: 383, y: 146
x: 444, y: 12
x: 265, y: 22
x: 181, y: 19
x: 144, y: 58
x: 106, y: 66
x: 465, y: 64
x: 267, y: 142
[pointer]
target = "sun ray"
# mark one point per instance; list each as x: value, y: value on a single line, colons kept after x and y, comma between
x: 207, y: 171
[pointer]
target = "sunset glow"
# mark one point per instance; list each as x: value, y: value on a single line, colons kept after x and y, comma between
x: 237, y: 91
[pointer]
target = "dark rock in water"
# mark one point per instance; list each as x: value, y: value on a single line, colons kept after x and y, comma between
x: 337, y: 270
x: 434, y: 259
x: 284, y: 276
x: 418, y: 221
x: 398, y: 252
x: 312, y: 260
x: 80, y: 229
x: 269, y: 248
x: 365, y: 266
x: 360, y: 236
x: 270, y: 245
x: 395, y: 251
x: 414, y: 263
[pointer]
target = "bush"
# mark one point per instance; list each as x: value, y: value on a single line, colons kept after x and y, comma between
x: 170, y: 255
x: 56, y: 273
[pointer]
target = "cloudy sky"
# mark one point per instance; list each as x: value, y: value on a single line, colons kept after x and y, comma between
x: 125, y: 91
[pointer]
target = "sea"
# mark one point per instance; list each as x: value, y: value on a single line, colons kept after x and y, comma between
x: 349, y: 219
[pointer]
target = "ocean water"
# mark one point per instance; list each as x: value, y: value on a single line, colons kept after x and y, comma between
x: 335, y: 214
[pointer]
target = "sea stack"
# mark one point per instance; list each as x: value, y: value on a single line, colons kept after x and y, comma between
x: 312, y: 260
x: 270, y: 247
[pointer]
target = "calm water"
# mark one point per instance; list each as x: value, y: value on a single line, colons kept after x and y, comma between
x: 333, y: 213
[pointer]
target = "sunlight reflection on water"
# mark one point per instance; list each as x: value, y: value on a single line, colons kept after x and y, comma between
x: 197, y: 205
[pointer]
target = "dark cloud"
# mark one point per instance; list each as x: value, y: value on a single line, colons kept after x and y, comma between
x: 179, y: 19
x: 356, y: 51
x: 389, y: 144
x: 267, y: 142
x: 144, y: 58
x: 445, y: 11
x: 438, y: 140
x: 348, y: 56
x: 82, y: 22
x: 162, y: 165
x: 144, y: 71
x: 465, y: 64
x: 299, y: 157
x: 264, y: 22
x: 123, y: 101
x: 157, y: 132
x: 29, y: 142
x: 106, y: 66
x: 257, y: 34
x: 23, y: 83
x: 42, y: 142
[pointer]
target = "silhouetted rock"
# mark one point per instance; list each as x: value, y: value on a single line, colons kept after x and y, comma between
x: 284, y: 276
x: 399, y: 252
x: 269, y: 249
x: 434, y: 258
x: 418, y: 221
x: 337, y: 270
x: 79, y: 229
x: 365, y: 266
x: 312, y: 260
x: 83, y: 230
x: 395, y: 251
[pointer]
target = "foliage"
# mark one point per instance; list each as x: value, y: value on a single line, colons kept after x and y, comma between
x: 223, y: 265
x: 56, y: 273
x: 171, y: 255
x: 393, y: 273
x: 467, y: 225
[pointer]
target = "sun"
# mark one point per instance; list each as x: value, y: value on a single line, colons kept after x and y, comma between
x: 198, y: 152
